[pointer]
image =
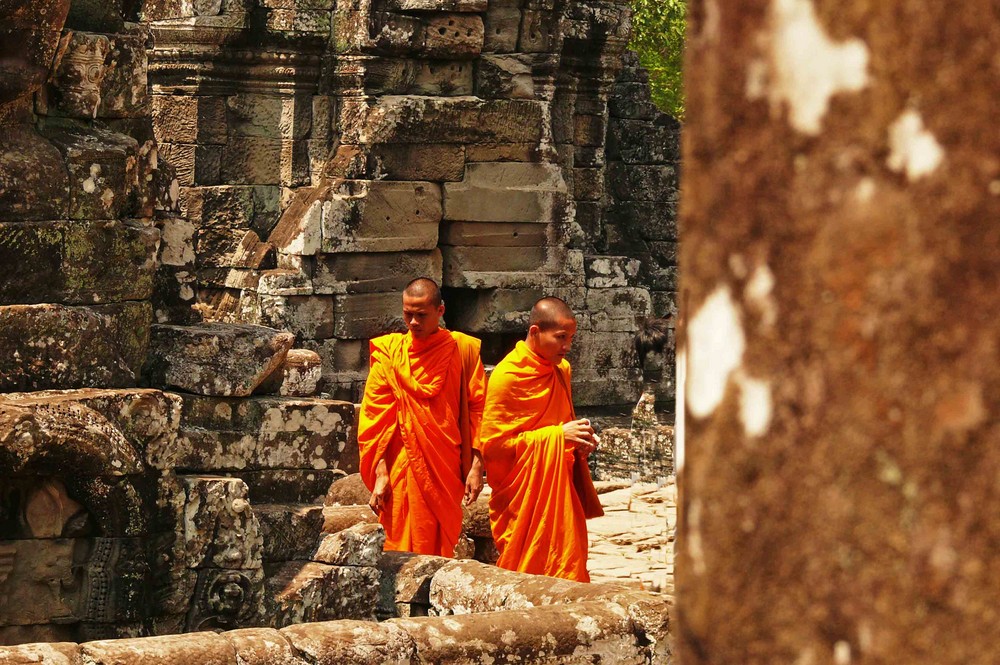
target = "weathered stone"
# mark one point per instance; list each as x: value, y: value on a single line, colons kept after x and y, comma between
x: 367, y: 273
x: 639, y: 182
x: 506, y: 192
x: 35, y: 573
x: 437, y: 5
x: 56, y: 346
x: 255, y: 160
x: 494, y: 234
x: 359, y: 545
x: 492, y: 310
x: 298, y: 375
x: 74, y: 262
x: 215, y: 359
x: 206, y: 648
x: 476, y: 519
x: 36, y: 183
x: 56, y: 653
x: 442, y: 120
x: 539, y: 31
x: 257, y: 433
x: 102, y: 170
x: 189, y: 119
x: 289, y: 532
x: 336, y: 518
x: 560, y: 634
x: 617, y: 309
x: 438, y: 163
x: 501, y: 28
x: 76, y: 85
x: 367, y: 315
x: 406, y: 580
x: 194, y: 164
x: 359, y: 642
x: 641, y: 142
x: 348, y: 491
x: 289, y: 485
x: 230, y: 207
x: 313, y: 591
x: 308, y: 317
x: 382, y: 216
x: 262, y: 646
x: 220, y: 529
x: 611, y: 271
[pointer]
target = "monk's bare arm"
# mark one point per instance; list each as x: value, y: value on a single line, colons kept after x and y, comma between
x: 378, y: 424
x: 477, y: 400
x: 380, y: 493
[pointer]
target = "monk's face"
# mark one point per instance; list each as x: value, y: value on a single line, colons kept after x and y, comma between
x: 553, y: 343
x: 421, y: 316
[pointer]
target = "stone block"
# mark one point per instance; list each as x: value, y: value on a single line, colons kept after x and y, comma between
x: 640, y: 182
x: 510, y: 76
x: 348, y: 491
x: 461, y: 260
x: 57, y: 346
x: 611, y: 271
x: 589, y: 130
x: 452, y: 36
x: 75, y: 86
x: 256, y: 160
x: 76, y: 262
x: 401, y: 119
x: 600, y: 387
x: 289, y: 532
x: 406, y: 578
x: 54, y: 653
x: 368, y: 273
x: 215, y: 358
x: 494, y: 234
x: 298, y: 22
x: 642, y: 142
x: 342, y: 355
x: 491, y: 311
x: 442, y: 78
x: 560, y: 268
x: 437, y: 5
x: 35, y: 571
x: 36, y: 183
x: 205, y: 648
x: 476, y: 519
x: 356, y: 642
x: 270, y: 116
x: 258, y: 433
x: 220, y: 529
x: 507, y: 192
x: 422, y: 161
x: 505, y: 152
x: 254, y: 208
x: 288, y: 485
x: 189, y: 119
x: 311, y: 591
x: 194, y: 164
x: 543, y: 634
x: 307, y: 317
x: 539, y: 31
x: 367, y: 315
x: 298, y: 376
x: 358, y: 545
x: 102, y: 169
x: 646, y: 219
x: 631, y: 100
x: 501, y: 28
x: 588, y: 184
x: 380, y: 216
x: 337, y: 518
x: 618, y: 309
x: 262, y: 646
x: 124, y: 90
x: 602, y: 350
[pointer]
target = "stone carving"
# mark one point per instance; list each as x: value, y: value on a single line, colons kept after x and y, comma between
x: 80, y: 72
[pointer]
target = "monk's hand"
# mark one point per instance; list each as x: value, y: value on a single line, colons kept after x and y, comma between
x: 474, y: 481
x: 581, y: 435
x: 380, y: 492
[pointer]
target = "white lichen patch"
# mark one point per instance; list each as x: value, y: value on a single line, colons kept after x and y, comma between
x: 805, y: 68
x: 914, y: 150
x: 715, y: 344
x: 589, y: 627
x: 755, y: 405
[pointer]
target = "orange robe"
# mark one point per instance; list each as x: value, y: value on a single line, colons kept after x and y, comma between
x: 542, y: 490
x: 410, y: 417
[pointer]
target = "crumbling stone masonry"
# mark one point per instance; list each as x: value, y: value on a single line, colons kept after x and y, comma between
x: 327, y: 152
x: 172, y: 175
x: 841, y: 341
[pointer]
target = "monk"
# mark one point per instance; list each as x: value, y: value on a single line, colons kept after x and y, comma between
x: 535, y: 450
x: 418, y: 430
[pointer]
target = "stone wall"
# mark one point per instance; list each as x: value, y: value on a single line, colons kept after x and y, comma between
x: 328, y: 153
x: 841, y: 344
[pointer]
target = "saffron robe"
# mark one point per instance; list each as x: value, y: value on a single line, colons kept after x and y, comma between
x: 542, y: 489
x: 410, y: 417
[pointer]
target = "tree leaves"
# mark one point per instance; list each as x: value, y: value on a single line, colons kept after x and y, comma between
x: 658, y: 37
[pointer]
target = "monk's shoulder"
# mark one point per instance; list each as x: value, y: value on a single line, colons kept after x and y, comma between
x: 466, y: 342
x: 385, y: 345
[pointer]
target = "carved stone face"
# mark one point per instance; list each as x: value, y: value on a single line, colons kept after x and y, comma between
x: 81, y: 71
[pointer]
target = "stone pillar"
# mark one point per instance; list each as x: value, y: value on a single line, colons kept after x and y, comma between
x: 840, y: 256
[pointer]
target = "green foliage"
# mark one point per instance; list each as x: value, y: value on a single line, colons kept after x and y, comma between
x: 658, y: 38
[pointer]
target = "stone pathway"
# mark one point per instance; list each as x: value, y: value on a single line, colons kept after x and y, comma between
x: 633, y: 542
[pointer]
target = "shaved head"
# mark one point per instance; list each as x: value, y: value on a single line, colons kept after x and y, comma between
x: 424, y: 287
x: 550, y: 312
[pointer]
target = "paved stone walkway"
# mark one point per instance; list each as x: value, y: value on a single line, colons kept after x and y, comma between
x: 633, y: 542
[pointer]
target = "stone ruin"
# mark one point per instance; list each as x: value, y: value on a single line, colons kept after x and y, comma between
x: 206, y: 208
